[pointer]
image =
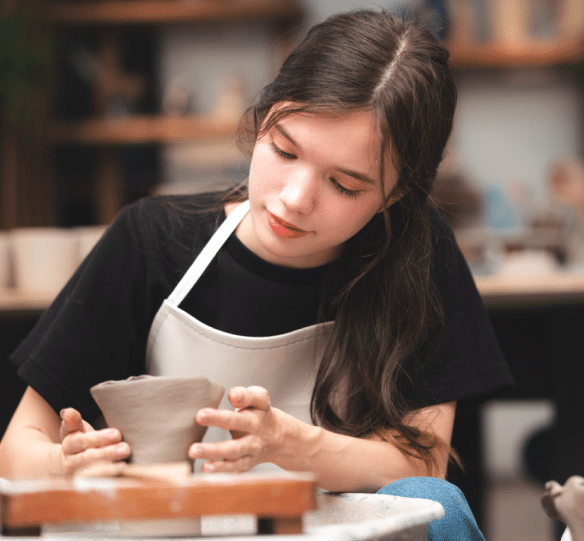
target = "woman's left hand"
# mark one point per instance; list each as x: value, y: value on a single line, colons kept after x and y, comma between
x: 257, y: 430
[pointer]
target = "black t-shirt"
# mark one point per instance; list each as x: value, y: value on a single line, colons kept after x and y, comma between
x: 97, y: 327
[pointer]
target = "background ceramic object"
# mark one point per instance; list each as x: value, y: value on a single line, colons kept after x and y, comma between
x: 88, y: 238
x: 156, y: 414
x: 44, y: 257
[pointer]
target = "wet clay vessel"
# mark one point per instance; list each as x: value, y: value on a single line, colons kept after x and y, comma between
x: 156, y: 414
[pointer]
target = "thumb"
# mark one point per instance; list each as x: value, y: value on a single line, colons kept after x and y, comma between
x: 71, y: 421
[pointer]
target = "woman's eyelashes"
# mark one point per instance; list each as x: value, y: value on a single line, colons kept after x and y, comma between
x: 282, y: 153
x: 343, y: 190
x: 338, y: 186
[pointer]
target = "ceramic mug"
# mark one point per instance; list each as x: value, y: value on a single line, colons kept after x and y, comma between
x: 44, y: 258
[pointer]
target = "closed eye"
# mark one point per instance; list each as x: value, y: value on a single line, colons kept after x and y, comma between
x: 281, y: 153
x: 345, y: 191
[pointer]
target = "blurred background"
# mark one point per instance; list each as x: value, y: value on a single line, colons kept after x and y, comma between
x: 103, y: 102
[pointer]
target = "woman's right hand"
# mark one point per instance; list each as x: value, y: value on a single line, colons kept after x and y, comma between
x: 82, y: 446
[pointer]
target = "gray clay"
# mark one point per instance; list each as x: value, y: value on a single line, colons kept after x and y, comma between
x: 156, y: 414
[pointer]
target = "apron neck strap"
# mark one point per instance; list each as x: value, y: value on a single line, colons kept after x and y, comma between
x: 208, y: 253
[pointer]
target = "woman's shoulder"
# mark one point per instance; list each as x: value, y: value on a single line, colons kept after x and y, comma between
x: 174, y: 217
x: 165, y: 229
x: 166, y: 208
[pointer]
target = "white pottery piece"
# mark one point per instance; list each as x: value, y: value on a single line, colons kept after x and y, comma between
x: 44, y: 258
x: 87, y: 238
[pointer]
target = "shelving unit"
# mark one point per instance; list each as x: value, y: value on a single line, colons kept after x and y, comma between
x: 515, y: 33
x: 29, y: 188
x: 171, y: 11
x: 495, y: 291
x: 13, y: 301
x: 540, y: 53
x: 106, y: 134
x: 140, y: 129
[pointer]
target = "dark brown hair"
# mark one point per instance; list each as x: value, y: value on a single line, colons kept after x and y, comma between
x: 388, y: 307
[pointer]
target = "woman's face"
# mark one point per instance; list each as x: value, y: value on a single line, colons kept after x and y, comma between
x: 313, y: 184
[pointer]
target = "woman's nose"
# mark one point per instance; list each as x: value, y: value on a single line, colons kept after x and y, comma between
x: 299, y: 192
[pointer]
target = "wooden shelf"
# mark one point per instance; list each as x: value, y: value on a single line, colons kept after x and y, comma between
x: 502, y: 291
x: 495, y: 290
x: 530, y: 53
x: 140, y: 130
x: 170, y: 11
x: 13, y: 300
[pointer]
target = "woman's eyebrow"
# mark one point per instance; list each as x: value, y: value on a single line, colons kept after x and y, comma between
x: 355, y: 174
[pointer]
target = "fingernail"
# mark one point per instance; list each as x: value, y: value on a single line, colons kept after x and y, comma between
x: 121, y: 449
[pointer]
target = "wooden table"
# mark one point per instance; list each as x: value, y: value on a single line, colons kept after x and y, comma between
x: 278, y: 501
x: 495, y: 290
x: 82, y: 508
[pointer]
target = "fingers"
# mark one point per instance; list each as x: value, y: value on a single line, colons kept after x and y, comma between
x: 78, y: 442
x: 251, y: 426
x: 234, y: 421
x: 547, y: 502
x: 71, y: 421
x: 553, y: 488
x: 249, y: 397
x: 230, y: 456
x: 80, y: 449
x: 241, y: 465
x: 228, y: 450
x: 575, y: 481
x: 81, y: 445
x: 110, y: 453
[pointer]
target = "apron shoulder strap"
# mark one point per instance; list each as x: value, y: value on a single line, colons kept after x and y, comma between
x: 208, y: 253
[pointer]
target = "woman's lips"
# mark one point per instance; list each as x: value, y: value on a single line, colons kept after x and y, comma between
x: 285, y: 229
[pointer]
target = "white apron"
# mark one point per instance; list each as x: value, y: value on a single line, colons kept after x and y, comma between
x: 285, y: 364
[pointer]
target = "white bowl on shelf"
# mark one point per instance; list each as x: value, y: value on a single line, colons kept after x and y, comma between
x: 44, y: 258
x: 88, y: 237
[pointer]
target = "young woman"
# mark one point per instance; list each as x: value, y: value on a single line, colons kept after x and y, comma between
x: 331, y: 301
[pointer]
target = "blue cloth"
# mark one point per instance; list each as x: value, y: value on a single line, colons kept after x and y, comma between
x: 458, y: 523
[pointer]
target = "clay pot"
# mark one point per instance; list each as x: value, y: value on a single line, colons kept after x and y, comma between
x: 156, y: 414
